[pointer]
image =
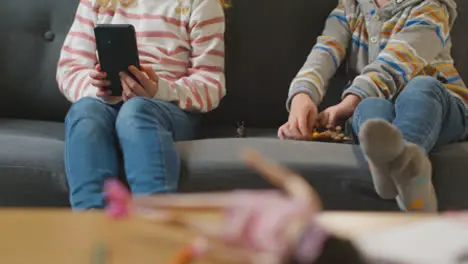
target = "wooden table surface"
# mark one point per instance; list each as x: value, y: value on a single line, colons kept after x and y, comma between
x: 59, y: 236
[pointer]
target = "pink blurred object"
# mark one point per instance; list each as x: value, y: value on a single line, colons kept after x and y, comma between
x: 118, y: 199
x: 460, y: 216
x: 257, y: 220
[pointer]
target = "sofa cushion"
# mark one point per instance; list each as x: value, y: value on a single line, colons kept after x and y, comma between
x: 31, y: 164
x: 338, y: 171
x: 32, y: 173
x: 450, y: 170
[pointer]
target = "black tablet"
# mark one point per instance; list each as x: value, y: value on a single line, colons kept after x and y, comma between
x: 117, y: 49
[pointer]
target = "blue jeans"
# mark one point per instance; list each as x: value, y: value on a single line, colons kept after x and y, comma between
x: 425, y: 112
x: 141, y: 130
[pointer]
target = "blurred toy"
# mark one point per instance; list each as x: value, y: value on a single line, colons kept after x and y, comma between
x: 241, y: 130
x: 330, y: 135
x: 261, y: 227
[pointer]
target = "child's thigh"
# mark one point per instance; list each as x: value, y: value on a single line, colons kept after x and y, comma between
x: 372, y: 108
x: 182, y: 124
x: 455, y: 125
x: 92, y: 109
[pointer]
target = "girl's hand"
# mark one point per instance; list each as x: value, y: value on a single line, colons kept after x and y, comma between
x: 145, y: 85
x: 98, y: 79
x: 331, y: 116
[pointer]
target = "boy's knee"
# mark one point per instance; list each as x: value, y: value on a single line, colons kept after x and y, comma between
x: 425, y: 85
x: 371, y: 103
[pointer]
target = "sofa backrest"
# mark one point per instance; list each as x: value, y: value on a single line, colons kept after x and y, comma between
x: 32, y: 35
x: 460, y: 40
x: 267, y: 41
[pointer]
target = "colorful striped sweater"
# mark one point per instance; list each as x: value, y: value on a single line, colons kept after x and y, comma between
x: 183, y: 41
x: 386, y: 47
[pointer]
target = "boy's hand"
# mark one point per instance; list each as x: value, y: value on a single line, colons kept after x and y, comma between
x: 145, y: 85
x: 331, y: 116
x: 302, y: 118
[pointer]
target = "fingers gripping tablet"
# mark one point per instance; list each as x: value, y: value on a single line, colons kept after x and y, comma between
x: 117, y: 50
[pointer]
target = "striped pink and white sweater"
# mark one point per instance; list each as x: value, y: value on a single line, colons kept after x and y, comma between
x: 183, y: 41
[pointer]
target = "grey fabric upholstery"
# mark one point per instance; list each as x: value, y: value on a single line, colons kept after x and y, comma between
x: 260, y: 64
x: 31, y: 164
x: 338, y: 171
x: 450, y: 169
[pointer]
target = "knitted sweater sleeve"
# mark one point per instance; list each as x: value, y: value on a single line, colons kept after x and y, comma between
x: 324, y: 59
x: 423, y: 36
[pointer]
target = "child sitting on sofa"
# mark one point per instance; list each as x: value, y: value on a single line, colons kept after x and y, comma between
x: 181, y: 49
x: 407, y: 99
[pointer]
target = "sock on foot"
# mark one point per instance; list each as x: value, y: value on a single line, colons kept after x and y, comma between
x: 381, y: 144
x: 412, y: 174
x: 398, y: 168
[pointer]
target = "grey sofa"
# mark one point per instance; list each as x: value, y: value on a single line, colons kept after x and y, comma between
x: 266, y: 42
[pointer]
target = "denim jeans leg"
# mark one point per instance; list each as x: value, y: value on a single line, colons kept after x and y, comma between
x: 147, y: 130
x: 455, y: 124
x: 372, y: 108
x: 90, y: 151
x: 428, y: 115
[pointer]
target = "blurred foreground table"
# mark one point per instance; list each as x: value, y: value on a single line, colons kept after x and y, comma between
x: 60, y: 236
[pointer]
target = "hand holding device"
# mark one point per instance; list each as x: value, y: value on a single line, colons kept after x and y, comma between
x: 117, y: 50
x: 98, y: 77
x: 144, y: 83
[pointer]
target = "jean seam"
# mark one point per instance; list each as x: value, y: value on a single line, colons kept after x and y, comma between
x: 156, y: 106
x: 67, y: 155
x: 164, y: 163
x: 153, y: 106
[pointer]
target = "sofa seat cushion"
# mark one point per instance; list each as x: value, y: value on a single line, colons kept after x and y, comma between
x: 338, y: 171
x: 450, y: 170
x: 32, y: 170
x: 31, y: 164
x: 231, y: 132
